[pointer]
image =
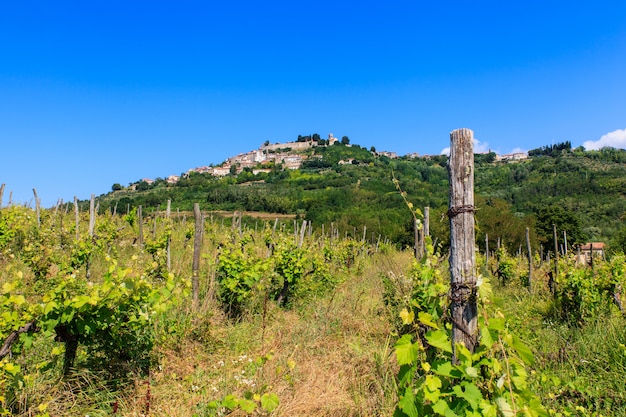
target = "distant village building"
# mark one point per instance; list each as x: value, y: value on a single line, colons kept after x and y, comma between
x: 172, y: 179
x: 595, y: 248
x: 392, y: 155
x: 201, y: 170
x: 261, y: 170
x: 512, y: 157
x: 221, y: 171
x: 296, y: 146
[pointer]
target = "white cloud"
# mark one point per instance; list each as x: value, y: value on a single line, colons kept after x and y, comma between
x: 614, y: 139
x: 479, y: 147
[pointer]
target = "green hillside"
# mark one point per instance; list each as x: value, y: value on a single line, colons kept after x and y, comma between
x: 582, y: 192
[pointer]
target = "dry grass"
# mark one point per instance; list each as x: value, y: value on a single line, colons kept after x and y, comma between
x: 329, y: 356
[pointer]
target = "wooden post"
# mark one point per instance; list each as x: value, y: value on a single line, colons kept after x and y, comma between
x: 463, y: 308
x: 76, y: 217
x: 302, y: 233
x: 426, y: 221
x: 37, y: 207
x: 168, y: 250
x: 1, y: 193
x: 364, y: 233
x: 564, y: 242
x: 556, y: 253
x: 197, y: 245
x: 92, y: 215
x: 140, y: 224
x: 530, y: 261
x: 487, y: 250
x: 416, y: 238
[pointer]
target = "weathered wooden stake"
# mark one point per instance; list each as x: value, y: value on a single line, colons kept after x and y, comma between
x: 92, y: 215
x: 416, y: 238
x: 1, y: 193
x: 37, y: 208
x: 302, y: 233
x: 556, y: 252
x: 530, y: 261
x: 76, y: 217
x: 197, y: 246
x: 463, y: 308
x: 140, y: 224
x: 487, y: 250
x: 168, y: 250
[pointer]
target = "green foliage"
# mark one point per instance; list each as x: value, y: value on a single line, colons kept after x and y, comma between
x: 250, y: 404
x: 565, y: 220
x: 506, y: 265
x: 240, y: 276
x: 551, y: 150
x: 584, y: 294
x: 492, y: 381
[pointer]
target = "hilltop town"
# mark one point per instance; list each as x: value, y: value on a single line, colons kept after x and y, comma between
x: 291, y: 155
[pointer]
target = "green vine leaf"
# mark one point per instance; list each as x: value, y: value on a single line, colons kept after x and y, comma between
x: 439, y: 339
x: 407, y: 403
x: 523, y: 351
x: 406, y: 351
x: 505, y: 408
x: 407, y: 316
x: 427, y: 319
x: 269, y: 402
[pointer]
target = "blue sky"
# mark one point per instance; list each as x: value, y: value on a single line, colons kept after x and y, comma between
x: 96, y: 93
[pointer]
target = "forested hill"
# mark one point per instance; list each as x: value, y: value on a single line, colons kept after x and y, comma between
x: 582, y: 192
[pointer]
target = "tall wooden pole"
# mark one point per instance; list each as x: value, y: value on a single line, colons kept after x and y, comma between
x: 37, y: 207
x: 463, y: 306
x: 1, y: 193
x: 530, y: 261
x: 140, y: 224
x: 197, y: 246
x: 302, y: 233
x: 487, y: 250
x: 168, y: 214
x: 76, y: 217
x: 416, y: 238
x: 92, y: 215
x: 556, y: 252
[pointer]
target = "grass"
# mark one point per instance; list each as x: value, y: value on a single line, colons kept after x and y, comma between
x: 329, y: 354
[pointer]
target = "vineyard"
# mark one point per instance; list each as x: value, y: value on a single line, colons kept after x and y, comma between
x: 111, y: 316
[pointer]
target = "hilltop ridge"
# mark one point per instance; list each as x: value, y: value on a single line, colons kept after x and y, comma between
x: 583, y: 192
